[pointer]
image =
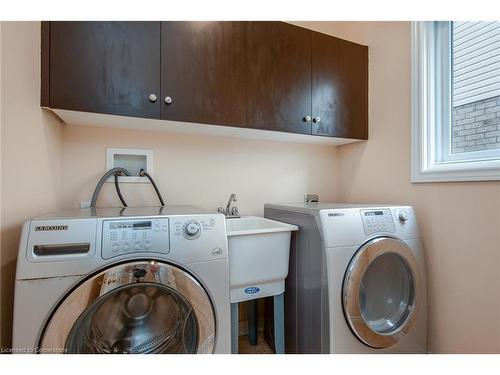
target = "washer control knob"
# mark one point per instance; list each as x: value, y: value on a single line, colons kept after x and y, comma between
x: 192, y: 229
x: 403, y: 216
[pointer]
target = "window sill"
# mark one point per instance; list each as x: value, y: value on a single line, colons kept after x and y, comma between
x: 458, y: 171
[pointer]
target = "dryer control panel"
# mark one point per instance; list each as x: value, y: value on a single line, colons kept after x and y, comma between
x: 121, y: 237
x: 378, y: 220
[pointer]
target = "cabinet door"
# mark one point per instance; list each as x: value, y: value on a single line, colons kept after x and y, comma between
x: 203, y: 66
x: 278, y: 77
x: 339, y: 87
x: 105, y: 67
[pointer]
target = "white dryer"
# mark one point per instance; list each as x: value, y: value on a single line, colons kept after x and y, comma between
x: 356, y: 282
x: 134, y: 280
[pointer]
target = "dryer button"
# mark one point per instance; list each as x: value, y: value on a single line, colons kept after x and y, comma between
x: 403, y: 216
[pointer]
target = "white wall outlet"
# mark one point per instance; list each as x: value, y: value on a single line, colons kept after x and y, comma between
x: 132, y: 160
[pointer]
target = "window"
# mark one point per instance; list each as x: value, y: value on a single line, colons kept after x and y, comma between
x: 455, y: 101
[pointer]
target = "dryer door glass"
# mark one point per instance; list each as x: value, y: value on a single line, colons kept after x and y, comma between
x: 381, y: 292
x: 136, y: 307
x: 386, y: 293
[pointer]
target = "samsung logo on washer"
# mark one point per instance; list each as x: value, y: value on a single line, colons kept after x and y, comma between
x: 46, y: 228
x: 336, y: 214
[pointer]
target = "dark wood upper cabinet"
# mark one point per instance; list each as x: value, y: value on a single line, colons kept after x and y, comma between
x: 278, y: 77
x: 203, y: 72
x: 259, y: 75
x: 339, y: 87
x: 104, y: 67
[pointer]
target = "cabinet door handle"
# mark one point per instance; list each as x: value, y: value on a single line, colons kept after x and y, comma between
x: 316, y: 119
x: 306, y: 118
x: 152, y: 98
x: 168, y: 100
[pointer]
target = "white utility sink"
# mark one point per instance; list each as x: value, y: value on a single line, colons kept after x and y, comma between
x: 259, y: 250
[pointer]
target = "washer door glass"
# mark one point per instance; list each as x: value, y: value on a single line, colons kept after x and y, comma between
x: 380, y: 292
x: 137, y: 307
x: 136, y: 318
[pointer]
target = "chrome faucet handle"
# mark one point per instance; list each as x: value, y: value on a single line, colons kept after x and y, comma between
x: 234, y: 211
x: 221, y: 210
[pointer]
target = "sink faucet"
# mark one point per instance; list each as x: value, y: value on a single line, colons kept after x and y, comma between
x: 232, y: 199
x: 230, y: 212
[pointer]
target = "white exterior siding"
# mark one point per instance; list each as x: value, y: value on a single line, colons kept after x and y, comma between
x: 475, y: 61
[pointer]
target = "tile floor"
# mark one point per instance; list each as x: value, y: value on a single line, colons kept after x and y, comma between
x: 260, y: 348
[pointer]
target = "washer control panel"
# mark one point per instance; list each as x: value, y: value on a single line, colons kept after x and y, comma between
x: 121, y: 237
x: 378, y: 220
x: 197, y: 238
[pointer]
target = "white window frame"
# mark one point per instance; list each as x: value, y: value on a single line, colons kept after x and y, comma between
x: 430, y: 136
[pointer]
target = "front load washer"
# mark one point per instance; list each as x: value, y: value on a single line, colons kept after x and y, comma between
x: 133, y: 280
x: 356, y: 282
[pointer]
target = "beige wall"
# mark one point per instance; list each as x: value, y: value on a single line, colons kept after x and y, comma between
x: 201, y: 171
x: 30, y: 151
x: 460, y: 221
